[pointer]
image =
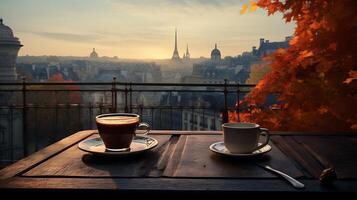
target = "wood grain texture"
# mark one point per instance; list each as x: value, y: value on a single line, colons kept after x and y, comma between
x: 336, y: 151
x: 183, y: 162
x: 175, y: 157
x: 169, y: 184
x: 43, y: 154
x: 194, y: 159
x: 306, y: 162
x: 76, y: 163
x: 291, y: 133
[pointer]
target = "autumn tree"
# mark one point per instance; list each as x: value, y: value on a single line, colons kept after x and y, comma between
x: 257, y: 72
x: 315, y: 79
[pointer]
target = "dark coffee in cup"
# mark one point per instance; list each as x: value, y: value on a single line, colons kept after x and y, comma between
x: 118, y: 129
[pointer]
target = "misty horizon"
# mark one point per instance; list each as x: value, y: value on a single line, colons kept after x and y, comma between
x: 134, y: 30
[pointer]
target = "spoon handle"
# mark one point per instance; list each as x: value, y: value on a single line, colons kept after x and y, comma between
x: 294, y: 182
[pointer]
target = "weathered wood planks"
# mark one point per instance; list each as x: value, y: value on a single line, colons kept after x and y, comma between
x: 44, y: 154
x: 76, y: 163
x: 194, y: 159
x: 184, y: 162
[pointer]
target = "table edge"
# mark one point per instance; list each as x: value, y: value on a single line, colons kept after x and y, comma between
x: 43, y: 154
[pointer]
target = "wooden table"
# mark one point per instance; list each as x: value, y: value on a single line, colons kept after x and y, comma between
x: 182, y: 163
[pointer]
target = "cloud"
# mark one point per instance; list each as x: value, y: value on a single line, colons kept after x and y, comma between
x: 70, y: 37
x: 183, y: 3
x: 179, y: 6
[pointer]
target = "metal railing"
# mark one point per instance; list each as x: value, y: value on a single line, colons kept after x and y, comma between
x: 126, y: 90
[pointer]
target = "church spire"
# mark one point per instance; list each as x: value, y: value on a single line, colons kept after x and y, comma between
x: 215, y: 46
x: 187, y: 55
x: 93, y: 54
x: 175, y: 55
x: 175, y: 39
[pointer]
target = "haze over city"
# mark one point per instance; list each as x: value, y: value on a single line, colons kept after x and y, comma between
x: 178, y: 98
x: 138, y: 29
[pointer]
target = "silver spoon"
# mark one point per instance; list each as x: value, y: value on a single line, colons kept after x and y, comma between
x: 294, y: 182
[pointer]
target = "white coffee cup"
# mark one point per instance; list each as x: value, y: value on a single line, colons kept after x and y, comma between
x: 241, y: 138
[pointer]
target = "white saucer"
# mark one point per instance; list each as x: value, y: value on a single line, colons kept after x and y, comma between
x: 219, y: 148
x: 139, y: 144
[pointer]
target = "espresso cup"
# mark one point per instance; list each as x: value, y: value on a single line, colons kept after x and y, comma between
x: 241, y: 138
x: 118, y: 129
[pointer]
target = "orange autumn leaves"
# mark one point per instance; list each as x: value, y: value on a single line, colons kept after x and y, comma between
x: 352, y: 77
x: 251, y: 7
x: 315, y: 80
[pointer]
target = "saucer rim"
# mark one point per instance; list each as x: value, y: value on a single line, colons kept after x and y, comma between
x: 240, y: 154
x: 118, y: 154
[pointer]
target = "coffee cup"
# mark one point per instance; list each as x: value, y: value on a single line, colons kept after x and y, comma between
x: 242, y: 138
x: 118, y: 129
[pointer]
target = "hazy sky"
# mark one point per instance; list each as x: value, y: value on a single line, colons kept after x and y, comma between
x: 138, y: 28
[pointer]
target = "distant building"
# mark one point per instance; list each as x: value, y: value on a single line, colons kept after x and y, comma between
x: 266, y: 47
x: 9, y: 48
x: 93, y: 54
x: 175, y: 55
x: 186, y: 56
x: 201, y: 120
x: 201, y: 115
x: 215, y: 54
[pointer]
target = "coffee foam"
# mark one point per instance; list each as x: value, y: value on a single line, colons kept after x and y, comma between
x: 113, y: 120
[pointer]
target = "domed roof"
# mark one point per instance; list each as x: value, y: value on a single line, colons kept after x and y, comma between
x: 215, y: 53
x: 6, y: 35
x: 93, y: 54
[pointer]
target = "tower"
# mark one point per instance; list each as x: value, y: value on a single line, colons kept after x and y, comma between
x: 93, y: 54
x: 175, y: 55
x: 187, y: 55
x: 9, y: 48
x: 215, y: 54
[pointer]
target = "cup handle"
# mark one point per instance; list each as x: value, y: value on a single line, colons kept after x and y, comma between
x: 265, y: 132
x: 144, y: 126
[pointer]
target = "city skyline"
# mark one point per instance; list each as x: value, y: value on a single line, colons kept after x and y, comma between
x: 131, y: 29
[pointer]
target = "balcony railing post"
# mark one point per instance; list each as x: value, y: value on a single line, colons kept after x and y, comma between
x: 160, y: 127
x: 141, y: 108
x: 36, y: 108
x: 214, y: 120
x: 90, y: 107
x: 171, y: 113
x: 101, y: 107
x: 192, y: 117
x: 225, y: 109
x: 238, y: 103
x: 11, y: 130
x: 181, y: 117
x: 126, y: 109
x: 152, y: 117
x: 114, y: 96
x: 56, y: 119
x: 24, y: 117
x: 203, y: 119
x: 131, y: 97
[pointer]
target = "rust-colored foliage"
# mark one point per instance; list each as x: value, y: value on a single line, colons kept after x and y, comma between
x: 316, y: 78
x: 257, y: 72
